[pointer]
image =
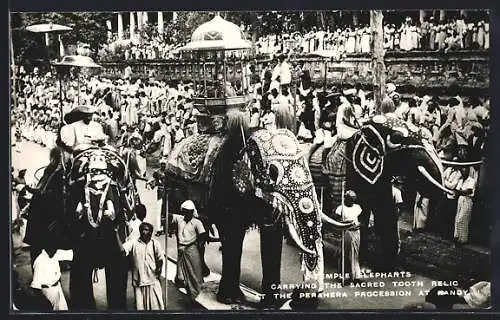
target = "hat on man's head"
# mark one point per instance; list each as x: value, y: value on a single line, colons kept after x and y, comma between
x: 189, y: 205
x: 351, y: 194
x: 77, y: 113
x: 349, y: 92
x: 135, y: 136
x: 391, y: 87
x: 85, y: 109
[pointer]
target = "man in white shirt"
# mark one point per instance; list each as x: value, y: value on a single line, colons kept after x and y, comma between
x: 285, y: 73
x: 47, y: 278
x: 81, y: 130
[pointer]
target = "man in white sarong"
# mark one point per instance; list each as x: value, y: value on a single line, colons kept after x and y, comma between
x: 148, y: 259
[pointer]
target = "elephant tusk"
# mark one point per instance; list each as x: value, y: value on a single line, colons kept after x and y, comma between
x: 390, y: 144
x: 296, y: 239
x: 110, y: 208
x: 111, y: 205
x: 427, y: 175
x: 462, y: 164
x: 335, y: 223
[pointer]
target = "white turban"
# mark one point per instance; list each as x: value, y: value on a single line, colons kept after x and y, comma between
x: 189, y: 205
x: 391, y: 88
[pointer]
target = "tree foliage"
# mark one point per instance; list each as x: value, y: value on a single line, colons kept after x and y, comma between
x: 88, y: 27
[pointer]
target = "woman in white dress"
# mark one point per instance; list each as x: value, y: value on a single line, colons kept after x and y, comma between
x: 486, y: 35
x: 359, y: 34
x: 351, y: 41
x: 365, y: 40
x: 406, y: 37
x: 415, y: 37
x: 480, y: 34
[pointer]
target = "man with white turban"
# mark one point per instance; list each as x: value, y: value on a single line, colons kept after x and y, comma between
x: 191, y: 236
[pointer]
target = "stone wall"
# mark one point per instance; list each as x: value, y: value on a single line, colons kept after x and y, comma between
x: 428, y: 72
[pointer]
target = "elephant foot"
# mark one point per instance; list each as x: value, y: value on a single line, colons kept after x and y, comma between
x: 230, y: 300
x: 268, y: 302
x: 237, y: 298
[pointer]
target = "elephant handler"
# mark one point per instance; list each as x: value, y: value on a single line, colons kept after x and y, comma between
x: 191, y: 236
x: 80, y: 129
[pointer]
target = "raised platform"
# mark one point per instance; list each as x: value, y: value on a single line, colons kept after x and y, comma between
x: 429, y: 71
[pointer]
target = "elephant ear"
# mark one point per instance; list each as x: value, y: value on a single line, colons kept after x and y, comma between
x: 368, y: 154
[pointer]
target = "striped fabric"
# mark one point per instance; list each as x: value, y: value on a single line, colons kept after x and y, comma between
x: 462, y: 219
x: 335, y: 167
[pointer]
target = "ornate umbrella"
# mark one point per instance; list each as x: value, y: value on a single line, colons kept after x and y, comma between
x: 73, y: 61
x: 77, y: 61
x: 216, y: 55
x: 47, y: 27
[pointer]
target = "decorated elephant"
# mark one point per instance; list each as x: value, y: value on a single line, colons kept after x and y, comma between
x: 103, y: 198
x: 93, y: 198
x: 243, y: 178
x: 384, y: 147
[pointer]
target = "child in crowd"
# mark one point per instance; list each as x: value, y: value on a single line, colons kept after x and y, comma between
x: 135, y: 222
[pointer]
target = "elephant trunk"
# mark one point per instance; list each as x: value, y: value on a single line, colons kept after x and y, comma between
x: 335, y: 223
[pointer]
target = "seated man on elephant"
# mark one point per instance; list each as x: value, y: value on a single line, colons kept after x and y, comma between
x: 80, y: 129
x: 346, y: 125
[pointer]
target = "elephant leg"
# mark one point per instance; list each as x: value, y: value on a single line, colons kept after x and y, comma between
x: 364, y: 220
x: 116, y: 283
x: 271, y: 242
x: 205, y: 268
x: 386, y: 226
x: 232, y: 247
x: 80, y: 283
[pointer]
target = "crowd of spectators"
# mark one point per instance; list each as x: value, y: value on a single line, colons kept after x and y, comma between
x: 293, y: 36
x: 153, y: 108
x: 454, y: 34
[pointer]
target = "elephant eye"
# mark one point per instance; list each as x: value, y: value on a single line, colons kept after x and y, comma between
x: 273, y: 172
x: 397, y: 137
